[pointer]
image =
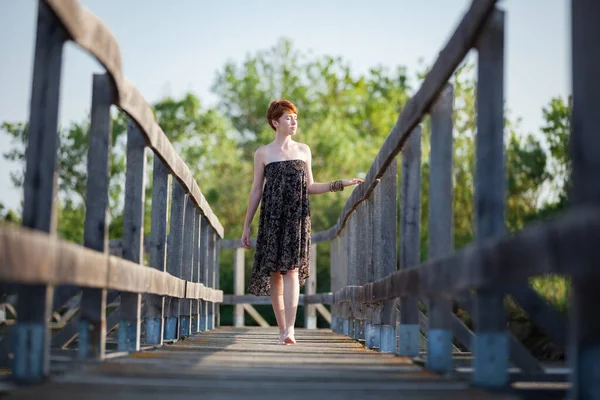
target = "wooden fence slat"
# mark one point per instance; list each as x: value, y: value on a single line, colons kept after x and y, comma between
x: 410, y: 249
x: 238, y: 285
x: 584, y: 149
x: 351, y: 250
x: 440, y: 241
x: 384, y: 232
x: 133, y: 235
x: 196, y: 270
x: 185, y: 309
x: 92, y: 320
x: 310, y: 312
x: 334, y: 272
x: 34, y: 304
x: 211, y: 278
x: 544, y: 314
x: 154, y: 316
x: 175, y: 256
x: 205, y: 260
x: 361, y: 264
x: 256, y: 316
x: 491, y: 339
x: 217, y: 284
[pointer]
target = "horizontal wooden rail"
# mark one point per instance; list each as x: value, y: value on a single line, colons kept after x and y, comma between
x: 564, y: 246
x: 91, y: 34
x: 51, y: 261
x: 321, y: 298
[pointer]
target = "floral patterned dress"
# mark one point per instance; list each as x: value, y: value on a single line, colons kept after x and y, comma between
x: 283, y: 240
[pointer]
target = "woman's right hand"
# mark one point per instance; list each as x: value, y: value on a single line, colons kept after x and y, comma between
x: 246, y: 238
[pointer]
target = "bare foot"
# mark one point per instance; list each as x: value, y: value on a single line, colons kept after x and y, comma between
x: 289, y: 337
x: 282, y: 338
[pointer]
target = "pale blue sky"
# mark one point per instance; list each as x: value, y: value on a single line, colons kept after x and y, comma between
x: 171, y: 47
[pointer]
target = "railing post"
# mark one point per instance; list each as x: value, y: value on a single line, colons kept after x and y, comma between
x: 175, y: 256
x: 133, y: 235
x: 205, y: 260
x: 238, y: 285
x: 440, y: 241
x: 334, y: 265
x: 584, y: 149
x: 351, y: 251
x: 491, y: 339
x: 155, y: 305
x: 410, y: 249
x: 345, y: 275
x: 364, y: 261
x: 34, y: 302
x: 310, y: 310
x: 384, y: 231
x: 92, y: 320
x: 217, y: 306
x: 196, y: 271
x: 211, y: 274
x: 185, y: 309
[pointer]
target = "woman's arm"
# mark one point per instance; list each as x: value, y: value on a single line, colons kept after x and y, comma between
x: 255, y: 196
x: 317, y: 187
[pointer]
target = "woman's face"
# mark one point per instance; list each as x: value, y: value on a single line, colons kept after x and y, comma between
x: 287, y: 123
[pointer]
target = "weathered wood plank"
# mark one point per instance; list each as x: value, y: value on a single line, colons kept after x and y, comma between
x: 440, y: 231
x: 92, y: 320
x: 175, y: 256
x: 459, y: 329
x: 385, y: 233
x: 217, y: 279
x: 205, y: 260
x: 196, y: 270
x: 491, y: 340
x: 185, y: 308
x: 211, y: 275
x: 154, y: 316
x: 238, y: 285
x: 256, y: 316
x: 310, y: 312
x: 584, y: 149
x: 324, y: 312
x: 544, y: 314
x: 303, y: 299
x: 410, y: 249
x: 249, y: 363
x: 133, y: 235
x: 34, y: 304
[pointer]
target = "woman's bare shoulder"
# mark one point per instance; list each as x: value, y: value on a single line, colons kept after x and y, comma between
x: 303, y: 148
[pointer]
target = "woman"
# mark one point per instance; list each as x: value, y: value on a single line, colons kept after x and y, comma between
x: 283, y: 240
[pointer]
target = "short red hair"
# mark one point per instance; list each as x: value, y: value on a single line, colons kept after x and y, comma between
x: 277, y: 108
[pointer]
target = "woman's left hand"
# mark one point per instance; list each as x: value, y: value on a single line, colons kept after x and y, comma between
x: 353, y: 181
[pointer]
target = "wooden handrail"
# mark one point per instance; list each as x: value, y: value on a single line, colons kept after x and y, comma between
x: 52, y: 261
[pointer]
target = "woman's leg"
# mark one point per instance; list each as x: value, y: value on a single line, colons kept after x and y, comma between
x: 291, y: 293
x: 278, y: 304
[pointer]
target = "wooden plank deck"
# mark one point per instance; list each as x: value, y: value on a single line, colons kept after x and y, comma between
x: 229, y: 363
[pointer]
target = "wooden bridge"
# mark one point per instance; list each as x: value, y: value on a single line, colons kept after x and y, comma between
x: 131, y: 331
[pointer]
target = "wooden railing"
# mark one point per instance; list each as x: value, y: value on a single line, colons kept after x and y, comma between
x: 377, y: 287
x: 180, y: 287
